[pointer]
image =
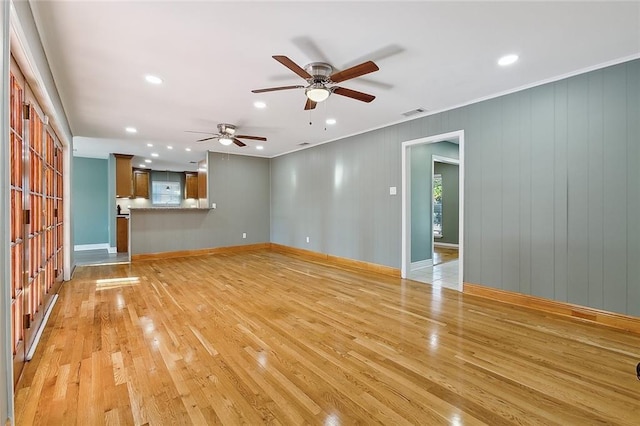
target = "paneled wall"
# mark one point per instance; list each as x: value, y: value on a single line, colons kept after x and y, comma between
x: 552, y: 192
x: 238, y: 185
x: 89, y: 190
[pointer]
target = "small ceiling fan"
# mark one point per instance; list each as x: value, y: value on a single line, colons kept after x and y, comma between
x: 319, y: 75
x: 227, y: 135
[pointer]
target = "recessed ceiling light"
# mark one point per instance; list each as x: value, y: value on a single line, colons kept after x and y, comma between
x: 154, y: 154
x: 131, y: 130
x: 169, y: 147
x: 507, y: 60
x: 260, y: 147
x: 149, y: 144
x: 143, y: 165
x: 331, y: 121
x: 153, y: 79
x: 259, y: 104
x: 147, y: 161
x: 187, y: 149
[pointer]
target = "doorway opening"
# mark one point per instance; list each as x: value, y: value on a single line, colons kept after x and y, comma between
x: 421, y: 252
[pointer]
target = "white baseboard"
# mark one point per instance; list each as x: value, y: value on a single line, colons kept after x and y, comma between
x: 421, y: 264
x: 32, y: 349
x: 83, y: 247
x: 448, y: 245
x: 112, y: 250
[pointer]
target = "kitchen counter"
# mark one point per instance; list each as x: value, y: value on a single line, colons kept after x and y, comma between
x: 166, y: 208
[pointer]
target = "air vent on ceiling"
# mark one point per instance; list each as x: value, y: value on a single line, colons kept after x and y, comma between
x: 414, y: 112
x: 303, y: 144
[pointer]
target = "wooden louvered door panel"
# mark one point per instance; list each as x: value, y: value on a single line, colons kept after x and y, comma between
x: 17, y: 244
x: 37, y: 234
x: 36, y: 205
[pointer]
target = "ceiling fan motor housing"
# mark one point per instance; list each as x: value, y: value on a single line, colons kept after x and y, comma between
x: 319, y: 71
x: 226, y: 129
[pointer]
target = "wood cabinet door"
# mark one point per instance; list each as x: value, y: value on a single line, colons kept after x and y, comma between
x: 191, y: 185
x: 122, y: 235
x: 141, y: 184
x: 124, y: 187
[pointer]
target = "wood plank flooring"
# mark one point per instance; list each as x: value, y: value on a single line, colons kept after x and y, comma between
x: 263, y: 337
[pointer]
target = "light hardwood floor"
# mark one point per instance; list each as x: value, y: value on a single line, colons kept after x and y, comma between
x: 263, y: 337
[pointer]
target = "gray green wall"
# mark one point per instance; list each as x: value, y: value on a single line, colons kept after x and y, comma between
x: 421, y: 159
x: 239, y: 186
x: 89, y: 191
x: 552, y: 197
x: 450, y: 201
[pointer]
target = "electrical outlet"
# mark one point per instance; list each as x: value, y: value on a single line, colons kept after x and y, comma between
x: 244, y: 235
x: 213, y: 205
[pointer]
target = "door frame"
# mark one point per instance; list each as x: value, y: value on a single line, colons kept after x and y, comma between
x: 406, y: 200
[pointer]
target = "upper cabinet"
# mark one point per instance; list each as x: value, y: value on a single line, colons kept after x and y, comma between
x: 202, y: 179
x: 191, y: 185
x: 124, y: 184
x: 141, y: 183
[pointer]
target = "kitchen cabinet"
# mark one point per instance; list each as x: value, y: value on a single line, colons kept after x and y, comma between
x: 141, y: 183
x: 191, y: 185
x: 202, y: 179
x: 124, y: 186
x: 122, y: 234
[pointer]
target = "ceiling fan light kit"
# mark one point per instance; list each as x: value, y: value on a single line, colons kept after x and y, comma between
x: 317, y: 92
x: 319, y: 76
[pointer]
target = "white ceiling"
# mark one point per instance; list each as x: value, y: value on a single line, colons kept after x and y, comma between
x: 432, y: 55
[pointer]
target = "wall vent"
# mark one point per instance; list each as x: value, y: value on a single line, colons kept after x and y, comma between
x: 414, y: 112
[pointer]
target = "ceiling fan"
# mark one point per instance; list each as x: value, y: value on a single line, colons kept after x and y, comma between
x: 227, y: 135
x: 320, y: 76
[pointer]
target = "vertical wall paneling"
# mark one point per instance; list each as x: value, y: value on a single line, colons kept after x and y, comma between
x: 549, y: 171
x: 614, y: 105
x: 595, y: 179
x: 490, y: 135
x: 560, y: 188
x: 542, y: 191
x: 578, y: 190
x: 524, y: 194
x: 510, y: 189
x: 633, y: 188
x: 473, y: 198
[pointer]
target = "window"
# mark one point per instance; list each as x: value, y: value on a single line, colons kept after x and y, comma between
x: 437, y: 205
x: 165, y: 193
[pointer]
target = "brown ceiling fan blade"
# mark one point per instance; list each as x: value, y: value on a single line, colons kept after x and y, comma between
x: 292, y: 66
x: 364, y: 97
x: 310, y: 104
x: 353, y: 72
x: 239, y: 142
x: 273, y: 89
x: 255, y: 138
x: 206, y: 139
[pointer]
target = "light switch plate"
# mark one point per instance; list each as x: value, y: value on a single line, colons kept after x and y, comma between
x: 393, y: 190
x: 213, y: 205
